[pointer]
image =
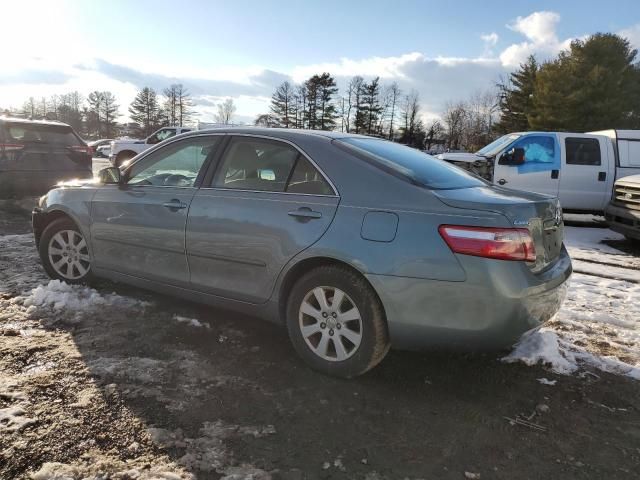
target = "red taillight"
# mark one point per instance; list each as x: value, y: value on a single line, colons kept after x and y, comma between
x: 489, y: 242
x: 11, y: 147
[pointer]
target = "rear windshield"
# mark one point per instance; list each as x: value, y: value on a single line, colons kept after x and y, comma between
x: 413, y: 164
x: 38, y: 133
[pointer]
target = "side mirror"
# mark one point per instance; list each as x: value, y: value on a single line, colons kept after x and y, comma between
x: 110, y: 176
x: 515, y: 156
x: 152, y: 140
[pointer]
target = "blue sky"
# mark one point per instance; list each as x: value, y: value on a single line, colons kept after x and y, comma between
x: 446, y: 50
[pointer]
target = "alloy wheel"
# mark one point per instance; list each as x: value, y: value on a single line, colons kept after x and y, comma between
x: 69, y: 255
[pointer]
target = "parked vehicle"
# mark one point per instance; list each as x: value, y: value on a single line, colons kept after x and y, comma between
x: 623, y: 213
x: 35, y: 155
x: 125, y: 149
x: 354, y: 243
x: 578, y: 168
x: 98, y: 146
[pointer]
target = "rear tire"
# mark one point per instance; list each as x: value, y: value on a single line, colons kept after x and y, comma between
x: 64, y: 252
x: 343, y: 339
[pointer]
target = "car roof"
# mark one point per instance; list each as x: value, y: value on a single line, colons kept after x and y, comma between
x: 280, y: 132
x: 32, y: 122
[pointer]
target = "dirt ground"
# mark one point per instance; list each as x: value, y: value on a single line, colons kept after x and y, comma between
x: 140, y: 386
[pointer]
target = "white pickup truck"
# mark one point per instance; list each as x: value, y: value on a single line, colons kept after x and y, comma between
x: 578, y: 168
x: 127, y: 148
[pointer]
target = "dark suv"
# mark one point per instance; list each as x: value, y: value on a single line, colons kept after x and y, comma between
x: 35, y: 155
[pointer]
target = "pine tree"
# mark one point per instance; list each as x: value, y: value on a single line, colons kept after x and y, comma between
x: 93, y: 114
x: 594, y: 85
x: 516, y: 98
x: 369, y: 108
x: 282, y: 105
x: 109, y: 113
x: 327, y: 114
x: 145, y: 111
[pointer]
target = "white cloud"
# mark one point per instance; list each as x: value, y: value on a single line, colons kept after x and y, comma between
x: 540, y: 30
x: 383, y: 67
x: 490, y: 40
x: 632, y: 34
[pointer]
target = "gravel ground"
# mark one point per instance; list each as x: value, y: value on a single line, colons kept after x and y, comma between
x: 116, y: 383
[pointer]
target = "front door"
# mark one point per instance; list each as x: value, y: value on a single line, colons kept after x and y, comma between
x: 266, y: 203
x: 540, y: 171
x: 583, y: 180
x: 139, y: 228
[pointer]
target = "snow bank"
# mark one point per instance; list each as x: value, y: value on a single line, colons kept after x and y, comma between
x: 58, y: 296
x: 598, y: 325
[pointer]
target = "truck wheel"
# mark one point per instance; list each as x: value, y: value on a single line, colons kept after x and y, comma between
x: 64, y: 252
x: 634, y: 241
x: 336, y: 322
x: 123, y: 157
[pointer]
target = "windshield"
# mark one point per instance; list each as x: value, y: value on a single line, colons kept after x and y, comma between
x: 410, y: 163
x: 497, y: 145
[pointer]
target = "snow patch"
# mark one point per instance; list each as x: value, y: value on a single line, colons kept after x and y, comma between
x: 58, y: 296
x: 14, y: 419
x: 193, y: 322
x: 546, y: 381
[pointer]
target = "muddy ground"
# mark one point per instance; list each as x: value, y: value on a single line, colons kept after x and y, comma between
x: 132, y: 388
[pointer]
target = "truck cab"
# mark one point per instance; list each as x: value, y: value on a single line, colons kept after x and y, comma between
x: 125, y: 149
x: 578, y: 168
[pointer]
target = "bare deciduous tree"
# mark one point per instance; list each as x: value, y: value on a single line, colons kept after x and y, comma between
x: 226, y: 110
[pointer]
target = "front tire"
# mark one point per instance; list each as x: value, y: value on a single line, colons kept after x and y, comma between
x: 336, y: 322
x: 64, y: 252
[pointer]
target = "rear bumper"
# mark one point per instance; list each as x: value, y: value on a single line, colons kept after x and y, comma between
x: 498, y: 302
x: 37, y: 182
x: 623, y: 220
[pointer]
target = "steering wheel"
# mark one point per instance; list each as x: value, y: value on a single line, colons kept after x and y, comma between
x: 176, y: 181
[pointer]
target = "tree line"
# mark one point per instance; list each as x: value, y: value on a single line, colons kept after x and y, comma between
x: 96, y: 115
x: 367, y: 107
x: 593, y: 85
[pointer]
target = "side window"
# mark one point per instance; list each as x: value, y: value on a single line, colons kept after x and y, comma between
x: 306, y: 179
x: 537, y: 149
x: 161, y: 135
x: 176, y: 165
x: 256, y: 164
x: 582, y: 151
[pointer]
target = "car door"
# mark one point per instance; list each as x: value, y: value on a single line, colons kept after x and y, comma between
x: 583, y: 180
x: 266, y: 203
x: 540, y: 171
x: 138, y: 228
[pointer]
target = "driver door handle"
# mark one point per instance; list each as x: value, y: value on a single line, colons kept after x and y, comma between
x: 305, y: 212
x: 174, y: 204
x: 502, y: 181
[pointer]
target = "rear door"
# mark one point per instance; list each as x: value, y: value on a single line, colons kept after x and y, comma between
x: 540, y: 171
x: 584, y: 175
x: 35, y: 156
x: 139, y: 228
x: 266, y: 203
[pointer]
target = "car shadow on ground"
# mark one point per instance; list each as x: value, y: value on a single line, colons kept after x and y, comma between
x: 417, y: 415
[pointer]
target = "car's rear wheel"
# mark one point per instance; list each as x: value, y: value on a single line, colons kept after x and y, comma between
x: 336, y: 322
x: 64, y: 252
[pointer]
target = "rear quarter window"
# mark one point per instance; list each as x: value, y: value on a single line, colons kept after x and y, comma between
x: 52, y: 134
x: 412, y: 164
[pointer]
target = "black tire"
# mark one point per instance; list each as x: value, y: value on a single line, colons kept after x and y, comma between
x: 55, y: 227
x: 374, y: 343
x: 123, y: 157
x: 633, y: 240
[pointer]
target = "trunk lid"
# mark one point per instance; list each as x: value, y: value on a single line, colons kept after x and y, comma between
x: 540, y: 214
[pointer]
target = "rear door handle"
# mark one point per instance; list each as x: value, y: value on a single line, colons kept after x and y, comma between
x: 555, y: 173
x: 305, y: 212
x: 502, y: 181
x: 602, y: 176
x: 174, y: 204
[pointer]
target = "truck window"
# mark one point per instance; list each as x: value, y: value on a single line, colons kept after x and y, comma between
x: 582, y: 151
x: 629, y: 152
x: 537, y: 149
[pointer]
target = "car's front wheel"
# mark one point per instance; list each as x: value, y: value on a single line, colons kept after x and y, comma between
x: 64, y: 252
x: 336, y: 322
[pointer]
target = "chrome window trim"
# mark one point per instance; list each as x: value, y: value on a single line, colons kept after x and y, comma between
x: 223, y: 189
x: 302, y: 152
